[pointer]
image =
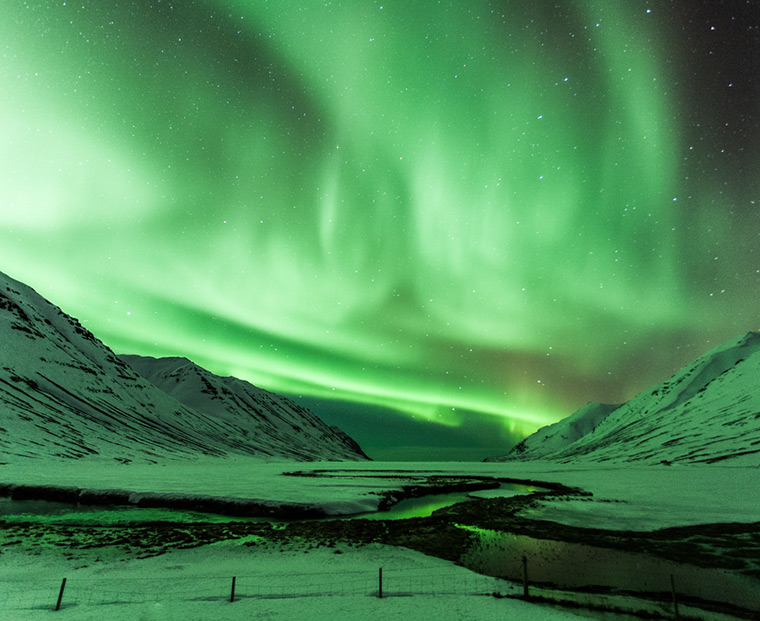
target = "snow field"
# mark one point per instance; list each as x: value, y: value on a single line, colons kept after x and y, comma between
x: 624, y: 497
x: 272, y: 582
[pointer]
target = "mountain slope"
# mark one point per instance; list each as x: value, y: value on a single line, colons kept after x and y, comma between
x: 275, y: 422
x: 63, y: 393
x: 559, y: 435
x: 707, y: 412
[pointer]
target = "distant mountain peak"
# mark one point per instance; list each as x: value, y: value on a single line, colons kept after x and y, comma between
x: 557, y: 436
x: 707, y: 412
x: 237, y: 401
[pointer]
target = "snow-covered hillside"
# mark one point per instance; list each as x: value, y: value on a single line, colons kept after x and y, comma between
x: 561, y: 434
x: 276, y: 424
x: 64, y: 393
x: 707, y: 412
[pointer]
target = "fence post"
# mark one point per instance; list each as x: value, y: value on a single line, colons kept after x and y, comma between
x: 60, y: 595
x: 673, y: 592
x: 232, y: 592
x: 526, y: 593
x: 380, y: 583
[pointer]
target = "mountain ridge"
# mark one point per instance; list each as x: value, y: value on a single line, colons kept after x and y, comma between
x: 693, y: 417
x: 63, y: 393
x: 229, y: 397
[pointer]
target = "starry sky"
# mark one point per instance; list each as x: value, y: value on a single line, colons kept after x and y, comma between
x: 439, y: 225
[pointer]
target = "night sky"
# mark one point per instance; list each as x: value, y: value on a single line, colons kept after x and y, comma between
x: 440, y: 225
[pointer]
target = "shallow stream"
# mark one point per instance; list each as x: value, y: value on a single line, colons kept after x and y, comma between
x: 581, y: 566
x: 61, y: 512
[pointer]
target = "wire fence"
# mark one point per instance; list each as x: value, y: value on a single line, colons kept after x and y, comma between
x: 96, y: 591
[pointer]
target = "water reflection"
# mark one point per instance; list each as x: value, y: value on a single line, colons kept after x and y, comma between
x: 574, y: 565
x: 424, y: 506
x: 19, y: 508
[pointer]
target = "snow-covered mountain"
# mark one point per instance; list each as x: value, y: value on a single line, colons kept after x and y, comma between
x: 270, y: 418
x: 707, y: 412
x: 64, y: 393
x: 561, y: 434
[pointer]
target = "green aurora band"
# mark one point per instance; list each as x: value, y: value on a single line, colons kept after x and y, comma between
x: 451, y: 211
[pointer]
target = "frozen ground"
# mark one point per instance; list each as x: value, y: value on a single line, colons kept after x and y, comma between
x: 293, y: 582
x: 632, y: 498
x: 649, y: 497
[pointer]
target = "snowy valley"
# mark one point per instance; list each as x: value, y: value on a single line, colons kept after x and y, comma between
x: 174, y: 486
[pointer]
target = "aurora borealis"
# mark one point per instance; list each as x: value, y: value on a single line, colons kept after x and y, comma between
x: 471, y: 216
